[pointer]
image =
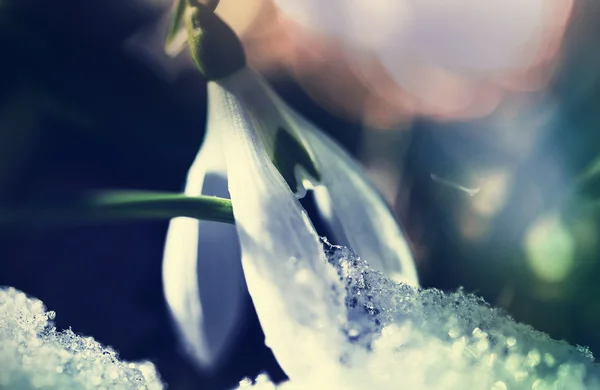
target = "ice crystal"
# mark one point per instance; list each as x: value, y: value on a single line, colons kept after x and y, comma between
x: 34, y: 355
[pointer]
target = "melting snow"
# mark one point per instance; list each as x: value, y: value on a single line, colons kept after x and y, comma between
x: 33, y: 355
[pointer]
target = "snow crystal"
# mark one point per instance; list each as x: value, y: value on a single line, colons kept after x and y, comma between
x: 33, y: 355
x: 424, y: 339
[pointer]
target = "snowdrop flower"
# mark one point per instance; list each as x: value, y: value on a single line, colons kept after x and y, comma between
x: 332, y: 319
x: 263, y: 155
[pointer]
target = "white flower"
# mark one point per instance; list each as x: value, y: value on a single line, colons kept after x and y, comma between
x: 333, y: 320
x: 247, y: 126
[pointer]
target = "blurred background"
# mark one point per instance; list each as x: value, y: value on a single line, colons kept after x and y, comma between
x: 494, y: 175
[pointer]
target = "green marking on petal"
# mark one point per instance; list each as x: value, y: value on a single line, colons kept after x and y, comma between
x: 292, y: 160
x: 215, y: 48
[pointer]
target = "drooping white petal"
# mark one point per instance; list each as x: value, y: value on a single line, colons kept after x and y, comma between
x: 202, y: 273
x: 367, y: 221
x: 297, y: 295
x: 361, y: 218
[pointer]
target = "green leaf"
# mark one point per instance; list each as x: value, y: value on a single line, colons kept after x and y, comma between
x: 119, y: 205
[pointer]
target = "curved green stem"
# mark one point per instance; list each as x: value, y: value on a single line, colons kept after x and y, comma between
x: 177, y: 35
x: 119, y: 205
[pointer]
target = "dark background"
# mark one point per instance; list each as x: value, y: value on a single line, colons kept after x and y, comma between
x: 78, y: 112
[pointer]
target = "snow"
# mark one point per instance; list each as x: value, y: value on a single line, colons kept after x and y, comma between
x: 395, y: 336
x: 402, y: 337
x: 34, y: 355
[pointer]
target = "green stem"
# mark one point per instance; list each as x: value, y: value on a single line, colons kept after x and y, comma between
x: 119, y: 205
x: 176, y: 26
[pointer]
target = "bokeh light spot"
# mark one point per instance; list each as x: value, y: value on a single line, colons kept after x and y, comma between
x: 549, y: 248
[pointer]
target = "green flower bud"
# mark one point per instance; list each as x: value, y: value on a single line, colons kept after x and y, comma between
x: 215, y: 48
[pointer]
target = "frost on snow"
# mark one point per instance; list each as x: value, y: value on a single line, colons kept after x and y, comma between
x: 399, y: 337
x: 33, y: 355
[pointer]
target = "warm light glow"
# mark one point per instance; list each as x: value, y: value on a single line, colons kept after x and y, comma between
x: 384, y: 62
x: 240, y: 16
x: 494, y: 189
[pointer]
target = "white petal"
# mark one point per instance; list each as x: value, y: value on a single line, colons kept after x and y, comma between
x: 297, y: 294
x: 202, y: 273
x: 368, y: 224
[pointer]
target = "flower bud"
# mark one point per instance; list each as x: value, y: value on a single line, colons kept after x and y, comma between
x: 215, y: 49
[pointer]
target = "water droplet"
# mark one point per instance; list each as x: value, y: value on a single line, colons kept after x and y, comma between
x: 511, y: 341
x: 549, y: 360
x: 302, y: 276
x: 533, y: 358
